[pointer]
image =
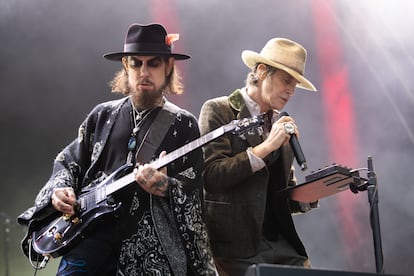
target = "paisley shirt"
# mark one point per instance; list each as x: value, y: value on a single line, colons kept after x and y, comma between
x: 158, y: 233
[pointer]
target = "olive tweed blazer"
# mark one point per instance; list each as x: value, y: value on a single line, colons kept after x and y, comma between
x: 235, y: 197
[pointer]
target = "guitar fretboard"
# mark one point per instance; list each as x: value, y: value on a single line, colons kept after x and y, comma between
x: 161, y: 162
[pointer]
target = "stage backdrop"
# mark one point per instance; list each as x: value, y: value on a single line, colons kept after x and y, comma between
x: 359, y: 57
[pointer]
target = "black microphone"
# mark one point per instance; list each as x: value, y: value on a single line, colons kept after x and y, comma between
x: 297, y: 150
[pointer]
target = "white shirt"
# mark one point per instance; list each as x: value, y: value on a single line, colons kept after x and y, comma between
x: 256, y: 162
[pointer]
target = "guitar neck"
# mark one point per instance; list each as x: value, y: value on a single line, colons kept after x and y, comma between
x: 162, y: 162
x: 170, y: 157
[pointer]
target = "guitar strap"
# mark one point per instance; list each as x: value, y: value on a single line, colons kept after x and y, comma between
x: 162, y: 214
x: 156, y: 133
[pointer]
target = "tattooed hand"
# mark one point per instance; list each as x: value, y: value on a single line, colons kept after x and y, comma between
x: 152, y: 181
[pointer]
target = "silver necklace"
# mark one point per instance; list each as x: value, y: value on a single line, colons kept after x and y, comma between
x: 137, y: 118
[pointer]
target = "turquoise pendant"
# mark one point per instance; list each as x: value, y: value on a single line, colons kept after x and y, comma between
x: 132, y: 143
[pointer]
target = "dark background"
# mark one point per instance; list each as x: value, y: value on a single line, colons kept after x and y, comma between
x: 52, y: 73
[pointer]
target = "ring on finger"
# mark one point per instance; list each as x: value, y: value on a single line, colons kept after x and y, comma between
x: 289, y: 128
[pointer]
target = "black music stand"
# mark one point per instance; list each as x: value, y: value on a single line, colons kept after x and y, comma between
x: 323, y: 183
x: 334, y: 179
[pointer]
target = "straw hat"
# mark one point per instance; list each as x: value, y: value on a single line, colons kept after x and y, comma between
x: 283, y: 54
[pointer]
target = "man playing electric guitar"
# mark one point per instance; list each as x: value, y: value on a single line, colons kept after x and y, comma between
x: 158, y: 227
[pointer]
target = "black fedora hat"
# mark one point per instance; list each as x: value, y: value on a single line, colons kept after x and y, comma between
x: 147, y: 40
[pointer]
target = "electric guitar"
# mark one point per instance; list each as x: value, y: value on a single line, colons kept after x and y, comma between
x: 57, y: 234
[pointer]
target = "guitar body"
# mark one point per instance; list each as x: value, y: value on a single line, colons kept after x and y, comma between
x: 59, y: 234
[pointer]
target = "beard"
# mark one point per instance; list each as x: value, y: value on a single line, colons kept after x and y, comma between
x: 145, y: 99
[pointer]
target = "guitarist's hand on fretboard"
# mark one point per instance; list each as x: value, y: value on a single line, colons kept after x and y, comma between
x: 64, y: 200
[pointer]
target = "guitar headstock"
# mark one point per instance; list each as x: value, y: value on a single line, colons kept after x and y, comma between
x: 238, y: 127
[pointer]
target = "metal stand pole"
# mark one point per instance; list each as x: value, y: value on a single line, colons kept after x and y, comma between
x: 372, y: 190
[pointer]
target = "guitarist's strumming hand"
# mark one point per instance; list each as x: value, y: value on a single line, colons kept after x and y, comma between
x: 64, y: 200
x: 151, y: 180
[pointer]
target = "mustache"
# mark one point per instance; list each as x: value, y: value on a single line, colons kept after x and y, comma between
x: 145, y: 81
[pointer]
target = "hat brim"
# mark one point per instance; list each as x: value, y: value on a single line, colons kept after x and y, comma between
x: 118, y: 56
x: 251, y: 58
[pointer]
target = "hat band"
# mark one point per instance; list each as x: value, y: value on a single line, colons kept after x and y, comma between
x: 147, y: 48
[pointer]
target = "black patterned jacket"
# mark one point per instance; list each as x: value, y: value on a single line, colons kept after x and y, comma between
x: 75, y: 167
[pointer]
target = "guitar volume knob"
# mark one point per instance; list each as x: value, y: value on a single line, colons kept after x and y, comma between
x: 57, y: 236
x: 66, y: 217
